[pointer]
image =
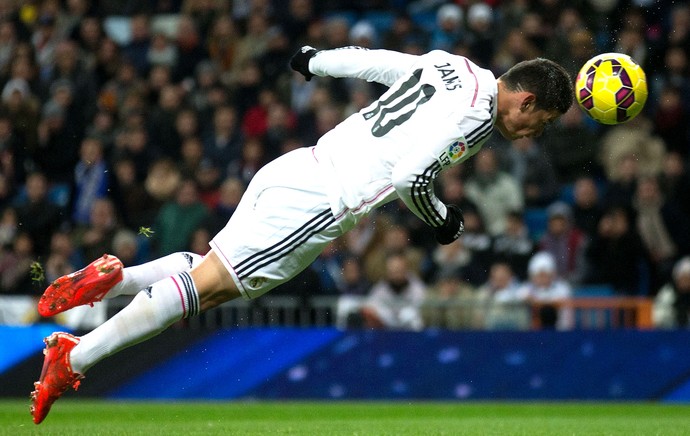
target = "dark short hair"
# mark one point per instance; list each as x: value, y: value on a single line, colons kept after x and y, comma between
x: 548, y: 81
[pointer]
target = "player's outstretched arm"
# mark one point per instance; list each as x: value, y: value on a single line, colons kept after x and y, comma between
x: 382, y: 66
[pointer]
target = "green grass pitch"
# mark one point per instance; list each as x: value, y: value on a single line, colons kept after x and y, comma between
x: 88, y: 418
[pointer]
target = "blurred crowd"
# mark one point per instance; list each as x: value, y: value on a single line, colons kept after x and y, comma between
x: 133, y: 128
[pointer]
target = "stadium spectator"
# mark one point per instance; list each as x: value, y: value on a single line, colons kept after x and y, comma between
x: 453, y: 303
x: 335, y: 32
x: 622, y: 182
x: 453, y: 189
x: 537, y: 28
x: 37, y: 215
x: 281, y: 127
x: 103, y: 127
x: 230, y: 192
x: 299, y: 15
x: 571, y: 146
x: 58, y: 143
x: 255, y: 120
x: 495, y: 192
x: 186, y: 125
x: 449, y: 29
x: 159, y: 76
x: 481, y: 33
x: 395, y: 239
x: 515, y: 47
x: 664, y: 231
x: 678, y: 30
x: 14, y: 155
x: 530, y: 168
x: 628, y: 151
x: 364, y: 34
x: 95, y: 238
x: 223, y: 140
x: 162, y: 51
x: 514, y: 246
x: 68, y: 70
x: 586, y: 207
x: 473, y: 258
x: 571, y: 43
x: 91, y: 179
x: 328, y: 266
x: 44, y: 39
x: 191, y: 156
x: 615, y: 255
x: 546, y: 289
x: 632, y: 41
x: 353, y: 281
x: 63, y: 257
x: 404, y: 33
x: 221, y: 43
x: 137, y: 48
x: 246, y: 86
x: 178, y: 219
x: 8, y: 43
x: 190, y: 48
x: 134, y: 202
x: 87, y: 32
x: 9, y: 225
x: 252, y: 44
x: 394, y: 301
x: 565, y: 242
x: 21, y: 105
x: 675, y: 181
x: 252, y: 157
x: 504, y: 311
x: 128, y: 247
x: 669, y: 119
x: 15, y: 267
x: 161, y: 122
x: 107, y: 61
x: 672, y: 301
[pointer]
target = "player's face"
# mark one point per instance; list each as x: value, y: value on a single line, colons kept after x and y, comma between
x: 525, y: 121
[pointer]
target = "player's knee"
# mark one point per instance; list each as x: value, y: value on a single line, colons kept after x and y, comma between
x: 213, y: 282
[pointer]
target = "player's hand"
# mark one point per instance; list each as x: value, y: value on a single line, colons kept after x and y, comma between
x: 452, y: 228
x: 300, y: 61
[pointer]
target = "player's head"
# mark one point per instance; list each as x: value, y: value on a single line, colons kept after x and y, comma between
x: 531, y: 95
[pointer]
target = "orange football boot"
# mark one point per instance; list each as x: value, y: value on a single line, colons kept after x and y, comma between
x: 86, y: 286
x: 57, y: 375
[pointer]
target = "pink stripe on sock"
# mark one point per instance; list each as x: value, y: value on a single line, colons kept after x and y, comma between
x: 179, y: 291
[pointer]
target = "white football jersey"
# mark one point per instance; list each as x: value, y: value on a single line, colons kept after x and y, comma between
x: 439, y: 110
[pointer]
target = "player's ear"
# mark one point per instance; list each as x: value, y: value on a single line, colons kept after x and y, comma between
x: 527, y: 102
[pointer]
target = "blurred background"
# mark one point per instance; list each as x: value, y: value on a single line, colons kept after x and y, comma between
x: 133, y: 128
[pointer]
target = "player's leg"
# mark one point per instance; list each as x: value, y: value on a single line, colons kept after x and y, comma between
x: 106, y: 277
x: 280, y: 226
x: 152, y: 310
x: 155, y: 308
x: 136, y: 278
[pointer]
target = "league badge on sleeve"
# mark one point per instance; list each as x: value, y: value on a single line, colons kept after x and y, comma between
x: 453, y: 153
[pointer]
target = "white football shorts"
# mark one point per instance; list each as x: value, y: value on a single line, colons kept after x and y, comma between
x: 281, y: 225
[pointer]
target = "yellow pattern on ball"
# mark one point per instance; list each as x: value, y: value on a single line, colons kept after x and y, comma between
x: 611, y: 88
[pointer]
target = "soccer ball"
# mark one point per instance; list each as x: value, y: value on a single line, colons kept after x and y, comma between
x: 611, y: 88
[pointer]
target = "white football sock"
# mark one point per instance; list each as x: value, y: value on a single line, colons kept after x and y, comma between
x: 136, y: 278
x: 149, y: 313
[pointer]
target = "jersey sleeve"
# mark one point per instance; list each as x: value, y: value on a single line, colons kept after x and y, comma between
x: 382, y: 66
x: 414, y: 175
